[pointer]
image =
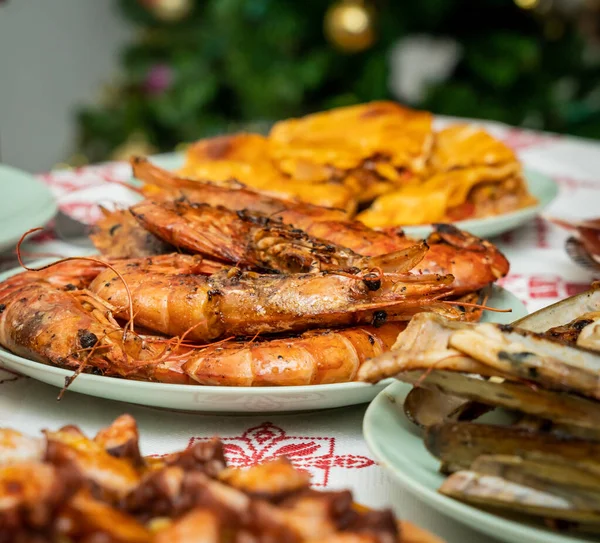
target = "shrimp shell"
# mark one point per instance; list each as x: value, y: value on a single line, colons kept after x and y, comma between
x: 253, y: 240
x: 473, y: 262
x: 231, y: 302
x: 315, y: 357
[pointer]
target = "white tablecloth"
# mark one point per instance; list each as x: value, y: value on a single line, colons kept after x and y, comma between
x: 328, y: 443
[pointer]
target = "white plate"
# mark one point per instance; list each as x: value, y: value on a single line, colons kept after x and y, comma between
x: 398, y: 446
x: 25, y: 203
x: 220, y: 398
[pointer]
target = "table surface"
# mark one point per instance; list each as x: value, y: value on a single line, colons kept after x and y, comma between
x: 329, y: 443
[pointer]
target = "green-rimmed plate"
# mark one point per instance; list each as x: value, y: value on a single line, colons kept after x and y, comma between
x: 25, y: 203
x: 398, y: 446
x: 210, y: 399
x: 542, y: 187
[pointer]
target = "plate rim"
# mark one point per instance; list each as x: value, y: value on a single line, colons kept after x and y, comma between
x: 45, y: 208
x: 519, y: 216
x: 467, y: 515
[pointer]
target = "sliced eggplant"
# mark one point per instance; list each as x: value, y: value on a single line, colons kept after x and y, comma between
x: 488, y: 490
x: 524, y: 355
x: 459, y: 443
x: 549, y: 475
x: 562, y: 312
x: 425, y: 406
x: 559, y: 407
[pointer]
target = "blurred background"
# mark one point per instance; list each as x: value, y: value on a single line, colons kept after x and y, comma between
x: 91, y: 80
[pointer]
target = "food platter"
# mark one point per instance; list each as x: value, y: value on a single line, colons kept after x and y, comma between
x: 27, y: 203
x: 505, y: 451
x: 221, y: 398
x: 398, y: 446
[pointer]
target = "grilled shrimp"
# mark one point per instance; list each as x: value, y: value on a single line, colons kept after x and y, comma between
x: 75, y: 330
x: 49, y: 324
x: 473, y: 262
x: 315, y: 357
x: 252, y: 240
x: 232, y: 302
x: 49, y: 316
x: 119, y: 235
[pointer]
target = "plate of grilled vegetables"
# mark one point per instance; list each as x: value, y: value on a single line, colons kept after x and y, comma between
x: 382, y: 164
x: 69, y: 487
x: 217, y: 297
x: 496, y: 425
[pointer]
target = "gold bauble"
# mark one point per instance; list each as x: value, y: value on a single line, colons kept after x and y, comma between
x: 527, y: 4
x: 136, y: 145
x: 171, y: 10
x: 350, y: 25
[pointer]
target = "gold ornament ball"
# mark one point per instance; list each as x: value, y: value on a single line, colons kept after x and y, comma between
x: 171, y: 10
x: 350, y: 25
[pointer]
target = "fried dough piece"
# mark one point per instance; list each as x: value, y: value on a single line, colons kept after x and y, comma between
x: 343, y: 138
x: 486, y: 190
x: 246, y: 158
x: 468, y: 146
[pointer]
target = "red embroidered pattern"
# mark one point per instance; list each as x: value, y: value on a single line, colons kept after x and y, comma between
x: 573, y: 184
x: 267, y: 442
x: 535, y: 287
x: 521, y: 140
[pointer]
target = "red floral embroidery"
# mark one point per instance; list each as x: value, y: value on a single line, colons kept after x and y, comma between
x: 267, y: 442
x: 546, y: 287
x: 521, y: 140
x: 86, y: 212
x: 572, y: 184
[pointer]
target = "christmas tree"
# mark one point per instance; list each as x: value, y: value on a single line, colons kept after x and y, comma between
x: 203, y: 67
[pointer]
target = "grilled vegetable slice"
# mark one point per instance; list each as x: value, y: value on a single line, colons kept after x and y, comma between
x: 558, y: 407
x: 460, y: 443
x: 525, y: 355
x: 427, y: 406
x: 488, y: 490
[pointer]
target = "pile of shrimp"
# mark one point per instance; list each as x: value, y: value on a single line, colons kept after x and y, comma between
x: 216, y: 284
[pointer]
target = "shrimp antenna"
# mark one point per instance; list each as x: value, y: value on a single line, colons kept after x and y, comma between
x: 476, y: 306
x: 88, y: 258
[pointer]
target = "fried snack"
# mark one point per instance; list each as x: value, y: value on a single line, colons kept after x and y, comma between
x: 467, y: 146
x: 246, y: 158
x: 369, y: 147
x: 344, y: 138
x: 470, y: 175
x: 379, y: 157
x: 186, y: 497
